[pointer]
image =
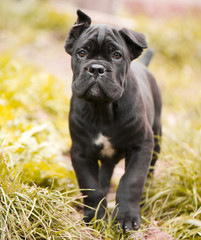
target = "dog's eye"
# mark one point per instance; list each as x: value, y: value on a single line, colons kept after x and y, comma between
x: 117, y: 55
x: 81, y: 53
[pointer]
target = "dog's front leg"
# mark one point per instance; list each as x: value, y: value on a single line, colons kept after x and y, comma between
x: 87, y: 172
x: 131, y: 186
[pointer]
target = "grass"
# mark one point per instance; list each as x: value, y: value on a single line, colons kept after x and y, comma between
x: 40, y: 213
x: 31, y: 19
x: 38, y: 189
x: 34, y: 130
x: 173, y: 199
x: 174, y: 196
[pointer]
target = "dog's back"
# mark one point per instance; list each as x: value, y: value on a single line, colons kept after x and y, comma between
x: 152, y: 99
x: 147, y: 82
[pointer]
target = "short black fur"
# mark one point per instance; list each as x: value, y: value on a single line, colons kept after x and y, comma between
x: 115, y: 113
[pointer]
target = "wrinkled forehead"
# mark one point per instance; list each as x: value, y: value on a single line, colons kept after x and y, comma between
x: 102, y: 34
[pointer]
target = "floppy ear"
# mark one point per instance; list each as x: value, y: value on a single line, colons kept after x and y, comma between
x: 83, y: 22
x: 135, y: 42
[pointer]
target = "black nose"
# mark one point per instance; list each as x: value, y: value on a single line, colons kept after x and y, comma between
x: 96, y: 69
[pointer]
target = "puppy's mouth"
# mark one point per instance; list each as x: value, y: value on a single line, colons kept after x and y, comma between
x: 90, y: 91
x: 95, y: 92
x: 97, y: 83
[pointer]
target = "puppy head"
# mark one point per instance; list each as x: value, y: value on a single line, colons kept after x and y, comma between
x: 101, y: 56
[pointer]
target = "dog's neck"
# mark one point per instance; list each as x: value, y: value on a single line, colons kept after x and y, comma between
x: 102, y: 111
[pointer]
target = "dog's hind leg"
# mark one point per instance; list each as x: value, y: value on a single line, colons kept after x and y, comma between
x: 157, y: 126
x: 157, y: 129
x: 105, y: 175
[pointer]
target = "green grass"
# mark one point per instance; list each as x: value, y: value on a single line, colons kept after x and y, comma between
x: 173, y: 199
x: 38, y: 189
x: 39, y: 213
x: 34, y: 130
x: 174, y: 196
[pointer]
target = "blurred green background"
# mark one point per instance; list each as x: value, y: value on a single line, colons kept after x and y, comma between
x: 35, y: 79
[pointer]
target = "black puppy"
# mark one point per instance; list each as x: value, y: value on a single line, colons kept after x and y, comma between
x: 115, y: 113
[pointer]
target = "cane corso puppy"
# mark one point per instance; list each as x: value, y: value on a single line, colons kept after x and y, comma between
x: 115, y: 113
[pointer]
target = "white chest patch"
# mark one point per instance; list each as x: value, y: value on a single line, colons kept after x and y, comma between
x: 108, y: 150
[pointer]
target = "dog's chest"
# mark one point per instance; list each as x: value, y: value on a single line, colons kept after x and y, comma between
x: 105, y: 142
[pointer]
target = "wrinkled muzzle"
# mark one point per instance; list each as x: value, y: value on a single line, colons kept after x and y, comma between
x: 97, y: 81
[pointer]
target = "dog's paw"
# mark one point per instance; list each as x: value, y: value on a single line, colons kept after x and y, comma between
x: 90, y: 213
x: 129, y: 220
x: 129, y: 224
